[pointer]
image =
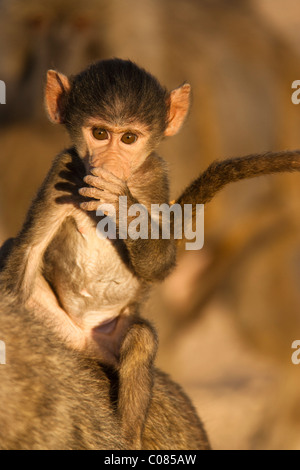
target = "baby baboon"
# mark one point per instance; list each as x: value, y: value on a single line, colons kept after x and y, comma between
x: 87, y: 290
x: 90, y: 299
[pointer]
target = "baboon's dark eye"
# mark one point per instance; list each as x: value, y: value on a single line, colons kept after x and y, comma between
x: 100, y: 134
x: 129, y: 138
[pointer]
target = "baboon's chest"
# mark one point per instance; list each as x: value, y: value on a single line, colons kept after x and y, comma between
x: 88, y: 274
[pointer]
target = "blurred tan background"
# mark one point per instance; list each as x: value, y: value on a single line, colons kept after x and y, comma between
x: 228, y: 316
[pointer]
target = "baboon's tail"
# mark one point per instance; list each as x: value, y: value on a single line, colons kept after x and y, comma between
x: 221, y: 173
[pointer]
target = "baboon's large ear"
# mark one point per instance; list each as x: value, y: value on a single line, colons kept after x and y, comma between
x: 179, y: 102
x: 57, y: 88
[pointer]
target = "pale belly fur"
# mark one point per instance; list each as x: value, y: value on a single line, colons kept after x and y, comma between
x: 92, y: 282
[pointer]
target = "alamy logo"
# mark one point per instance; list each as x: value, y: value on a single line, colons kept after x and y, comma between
x: 164, y: 221
x: 2, y: 353
x: 296, y: 354
x: 2, y: 92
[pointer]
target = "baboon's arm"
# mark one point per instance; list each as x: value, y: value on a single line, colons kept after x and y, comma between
x: 52, y: 205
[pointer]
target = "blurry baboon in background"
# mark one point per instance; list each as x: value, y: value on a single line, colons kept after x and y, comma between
x: 241, y: 72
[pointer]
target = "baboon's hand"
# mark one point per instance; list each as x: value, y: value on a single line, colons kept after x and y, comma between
x: 105, y: 188
x: 68, y: 182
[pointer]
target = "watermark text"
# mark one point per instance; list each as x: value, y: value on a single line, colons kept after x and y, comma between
x: 2, y: 353
x: 2, y: 92
x: 296, y: 354
x: 164, y: 222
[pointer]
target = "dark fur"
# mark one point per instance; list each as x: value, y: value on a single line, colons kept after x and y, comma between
x: 119, y: 92
x: 119, y: 89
